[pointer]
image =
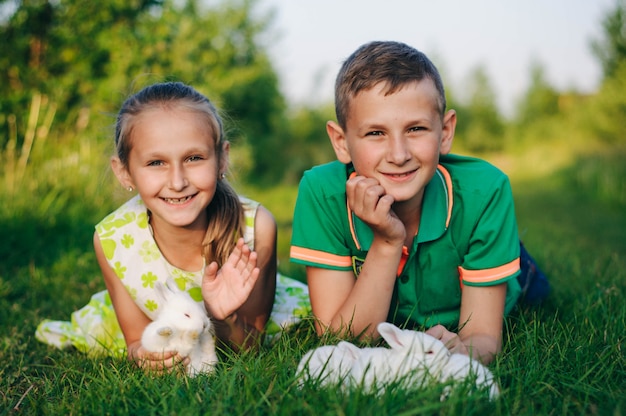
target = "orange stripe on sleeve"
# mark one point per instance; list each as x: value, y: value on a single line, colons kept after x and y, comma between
x: 350, y: 220
x: 489, y: 275
x: 448, y: 179
x: 320, y: 257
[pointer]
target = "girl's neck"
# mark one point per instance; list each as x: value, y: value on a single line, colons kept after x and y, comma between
x: 181, y: 247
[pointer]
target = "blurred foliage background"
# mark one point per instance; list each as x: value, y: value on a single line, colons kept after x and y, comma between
x: 67, y: 65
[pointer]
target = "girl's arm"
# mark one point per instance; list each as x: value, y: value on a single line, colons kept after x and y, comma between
x: 132, y: 320
x: 480, y: 323
x: 241, y: 329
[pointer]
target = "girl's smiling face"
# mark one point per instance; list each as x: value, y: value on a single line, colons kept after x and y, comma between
x: 174, y: 165
x: 395, y: 138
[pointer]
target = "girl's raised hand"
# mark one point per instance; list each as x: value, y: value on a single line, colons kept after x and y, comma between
x: 225, y: 290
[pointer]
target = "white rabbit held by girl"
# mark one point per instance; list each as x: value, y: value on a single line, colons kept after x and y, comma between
x: 182, y: 326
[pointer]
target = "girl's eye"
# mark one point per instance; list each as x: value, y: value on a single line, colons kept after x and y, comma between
x: 417, y: 128
x: 374, y: 133
x: 155, y: 163
x: 194, y: 158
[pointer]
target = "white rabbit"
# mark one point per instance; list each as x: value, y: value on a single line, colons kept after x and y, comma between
x: 420, y: 358
x: 461, y: 367
x: 329, y: 364
x: 414, y: 360
x: 183, y: 326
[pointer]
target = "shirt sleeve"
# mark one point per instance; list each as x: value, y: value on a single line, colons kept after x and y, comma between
x: 493, y: 254
x: 317, y: 234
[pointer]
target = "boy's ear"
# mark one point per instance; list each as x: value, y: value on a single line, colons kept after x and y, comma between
x: 121, y: 173
x: 447, y: 132
x: 339, y: 142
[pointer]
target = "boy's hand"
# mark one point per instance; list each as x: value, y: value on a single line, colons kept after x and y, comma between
x: 368, y: 200
x: 451, y: 339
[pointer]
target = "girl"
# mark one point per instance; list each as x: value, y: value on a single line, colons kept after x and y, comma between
x: 187, y: 223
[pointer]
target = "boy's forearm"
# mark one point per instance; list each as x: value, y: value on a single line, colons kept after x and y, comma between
x: 368, y: 303
x: 483, y: 348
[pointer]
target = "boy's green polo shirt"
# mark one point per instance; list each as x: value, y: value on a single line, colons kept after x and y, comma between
x: 467, y: 236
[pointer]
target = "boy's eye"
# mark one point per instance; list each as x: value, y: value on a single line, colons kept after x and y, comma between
x: 374, y: 133
x: 417, y: 128
x: 194, y: 158
x: 155, y: 163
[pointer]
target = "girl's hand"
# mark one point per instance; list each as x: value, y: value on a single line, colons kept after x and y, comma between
x: 226, y: 289
x: 156, y: 362
x: 450, y: 339
x: 367, y: 199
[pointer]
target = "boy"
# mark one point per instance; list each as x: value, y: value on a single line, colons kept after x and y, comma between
x: 398, y: 230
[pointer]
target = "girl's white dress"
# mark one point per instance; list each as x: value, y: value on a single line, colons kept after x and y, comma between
x: 132, y: 252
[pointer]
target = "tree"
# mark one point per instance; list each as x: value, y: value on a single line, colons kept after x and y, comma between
x: 611, y: 50
x: 480, y: 125
x: 540, y: 101
x: 58, y: 49
x: 307, y: 142
x: 608, y: 107
x: 86, y: 57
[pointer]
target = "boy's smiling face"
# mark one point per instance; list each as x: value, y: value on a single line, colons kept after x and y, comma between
x: 396, y: 138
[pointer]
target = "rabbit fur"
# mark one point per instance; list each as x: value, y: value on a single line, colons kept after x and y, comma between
x: 413, y: 360
x: 183, y: 326
x: 328, y: 364
x: 461, y: 367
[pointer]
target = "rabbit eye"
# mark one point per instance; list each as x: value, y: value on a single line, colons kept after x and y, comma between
x: 187, y: 315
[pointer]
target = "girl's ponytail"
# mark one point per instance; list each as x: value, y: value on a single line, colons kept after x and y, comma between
x: 226, y: 224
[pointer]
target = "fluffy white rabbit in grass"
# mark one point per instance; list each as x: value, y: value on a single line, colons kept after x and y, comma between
x: 328, y: 364
x: 414, y: 360
x: 461, y: 367
x: 183, y: 326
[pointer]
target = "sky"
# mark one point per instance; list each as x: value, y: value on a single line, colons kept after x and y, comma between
x: 505, y: 37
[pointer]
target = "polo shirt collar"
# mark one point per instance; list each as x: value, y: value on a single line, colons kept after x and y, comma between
x: 435, y: 218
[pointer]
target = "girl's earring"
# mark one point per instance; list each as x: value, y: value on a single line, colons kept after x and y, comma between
x: 222, y: 176
x: 130, y: 189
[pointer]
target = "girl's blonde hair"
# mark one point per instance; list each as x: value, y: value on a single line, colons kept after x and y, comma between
x: 225, y: 212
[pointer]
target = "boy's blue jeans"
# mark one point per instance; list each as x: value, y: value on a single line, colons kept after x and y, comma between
x: 534, y: 283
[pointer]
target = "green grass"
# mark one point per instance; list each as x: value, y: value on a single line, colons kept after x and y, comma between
x: 565, y: 357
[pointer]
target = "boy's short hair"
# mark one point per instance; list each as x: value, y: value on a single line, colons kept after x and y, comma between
x: 395, y: 63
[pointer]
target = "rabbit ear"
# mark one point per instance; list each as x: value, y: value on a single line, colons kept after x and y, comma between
x: 394, y: 336
x: 170, y: 283
x: 404, y: 339
x: 162, y: 292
